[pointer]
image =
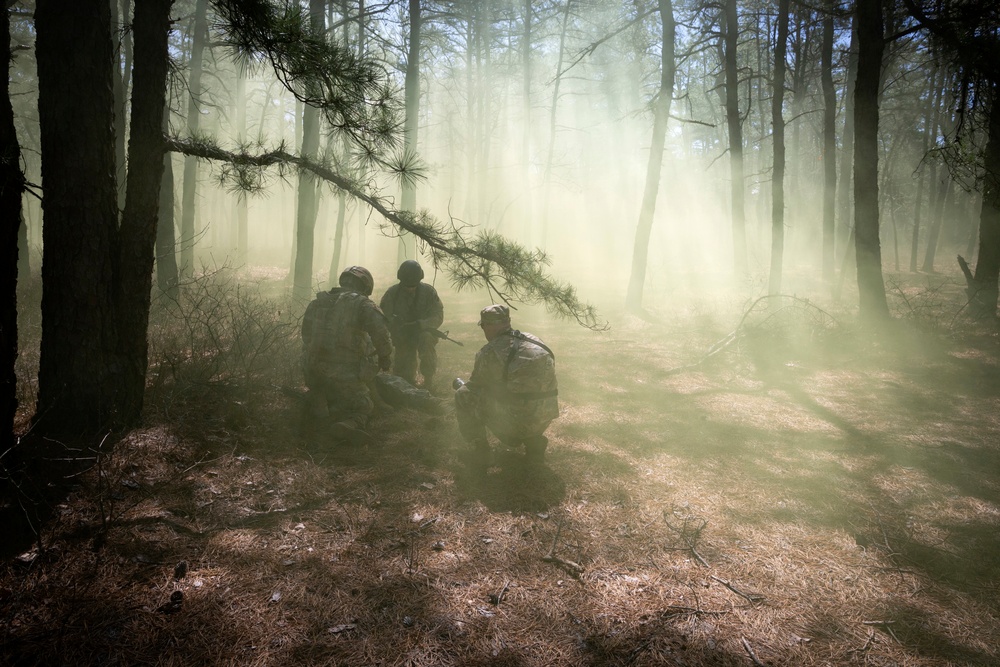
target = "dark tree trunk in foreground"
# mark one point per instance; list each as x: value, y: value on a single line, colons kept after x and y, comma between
x: 873, y: 306
x: 11, y: 187
x: 982, y: 288
x: 79, y: 371
x: 661, y: 114
x: 138, y: 230
x: 829, y: 146
x: 778, y: 139
x: 734, y: 123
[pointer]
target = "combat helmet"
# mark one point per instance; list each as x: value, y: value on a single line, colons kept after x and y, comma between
x: 358, y: 278
x: 410, y: 273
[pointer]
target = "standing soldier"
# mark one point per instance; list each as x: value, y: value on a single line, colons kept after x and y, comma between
x: 512, y: 391
x: 345, y: 341
x: 413, y: 308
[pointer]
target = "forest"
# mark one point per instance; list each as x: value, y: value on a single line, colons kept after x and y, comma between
x: 760, y: 237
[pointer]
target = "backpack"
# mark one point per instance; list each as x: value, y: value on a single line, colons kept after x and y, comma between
x: 530, y: 371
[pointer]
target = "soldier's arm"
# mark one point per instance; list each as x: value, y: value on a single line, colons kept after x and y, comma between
x: 374, y: 324
x: 386, y: 302
x: 487, y: 375
x: 308, y: 323
x: 432, y: 316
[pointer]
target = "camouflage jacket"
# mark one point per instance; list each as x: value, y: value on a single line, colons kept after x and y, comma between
x: 517, y: 369
x: 342, y: 328
x: 423, y: 306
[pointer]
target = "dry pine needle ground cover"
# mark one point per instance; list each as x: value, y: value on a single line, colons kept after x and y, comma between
x: 802, y: 496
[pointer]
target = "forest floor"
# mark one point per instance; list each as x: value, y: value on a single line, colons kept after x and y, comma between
x: 809, y: 494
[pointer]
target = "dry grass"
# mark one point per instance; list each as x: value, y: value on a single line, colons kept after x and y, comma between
x: 804, y: 497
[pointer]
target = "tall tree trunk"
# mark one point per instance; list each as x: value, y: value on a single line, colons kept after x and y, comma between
x: 138, y: 230
x: 550, y: 153
x: 873, y: 305
x: 79, y: 373
x: 190, y: 183
x: 525, y: 225
x: 829, y: 145
x: 778, y: 140
x: 844, y: 211
x: 11, y: 189
x: 944, y: 192
x: 411, y: 90
x: 733, y: 122
x: 338, y: 237
x: 166, y: 238
x: 241, y: 232
x: 661, y: 115
x: 305, y: 221
x: 982, y: 288
x: 121, y: 100
x: 922, y: 180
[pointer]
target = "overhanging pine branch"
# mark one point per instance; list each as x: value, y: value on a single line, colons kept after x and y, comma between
x: 488, y: 260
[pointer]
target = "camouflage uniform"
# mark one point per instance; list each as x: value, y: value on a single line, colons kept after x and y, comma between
x: 345, y: 341
x: 512, y: 392
x: 402, y: 308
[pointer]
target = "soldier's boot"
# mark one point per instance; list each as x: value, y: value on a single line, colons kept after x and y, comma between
x: 534, y: 449
x: 350, y: 431
x: 480, y: 457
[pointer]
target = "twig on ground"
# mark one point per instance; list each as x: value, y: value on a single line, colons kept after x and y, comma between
x: 574, y: 569
x: 752, y: 598
x: 885, y: 625
x: 689, y: 535
x: 749, y: 650
x: 868, y: 644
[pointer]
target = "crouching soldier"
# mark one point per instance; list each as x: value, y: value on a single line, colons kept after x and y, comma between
x: 345, y: 341
x: 512, y: 391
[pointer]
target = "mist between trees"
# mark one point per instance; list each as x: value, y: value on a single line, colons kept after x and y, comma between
x: 626, y: 149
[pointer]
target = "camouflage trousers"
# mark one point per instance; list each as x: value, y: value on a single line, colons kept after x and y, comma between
x: 405, y: 357
x: 340, y: 395
x: 511, y: 423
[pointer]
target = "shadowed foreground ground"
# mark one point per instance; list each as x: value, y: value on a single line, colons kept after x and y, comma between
x: 803, y: 497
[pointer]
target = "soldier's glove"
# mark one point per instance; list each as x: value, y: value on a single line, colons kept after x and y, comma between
x: 384, y: 363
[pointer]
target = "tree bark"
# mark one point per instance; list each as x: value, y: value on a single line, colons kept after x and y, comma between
x: 79, y: 371
x: 982, y: 288
x: 411, y: 92
x: 166, y: 239
x: 138, y: 229
x: 11, y: 189
x: 190, y: 183
x: 734, y: 125
x: 929, y: 116
x: 661, y: 115
x: 873, y: 305
x: 845, y: 213
x: 307, y: 196
x: 829, y: 146
x: 778, y: 140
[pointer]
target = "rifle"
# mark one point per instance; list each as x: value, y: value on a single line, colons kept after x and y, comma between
x: 443, y: 335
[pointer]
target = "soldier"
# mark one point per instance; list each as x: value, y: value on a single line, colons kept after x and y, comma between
x: 512, y: 391
x: 412, y: 308
x: 345, y: 341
